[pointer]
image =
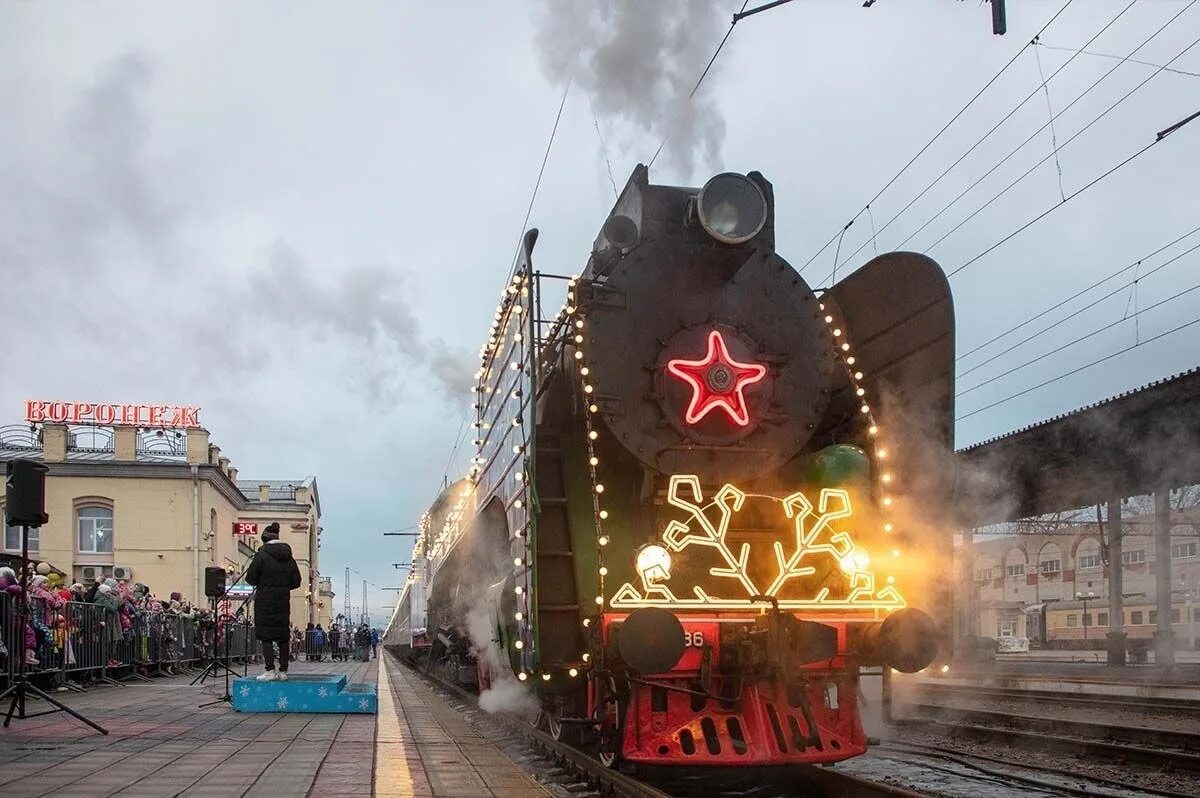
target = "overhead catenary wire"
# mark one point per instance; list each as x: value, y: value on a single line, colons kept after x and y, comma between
x: 1034, y: 168
x: 1079, y: 311
x: 1012, y: 111
x: 1076, y: 295
x: 1084, y: 367
x: 936, y: 136
x: 1162, y: 136
x: 1078, y: 340
x: 1083, y: 51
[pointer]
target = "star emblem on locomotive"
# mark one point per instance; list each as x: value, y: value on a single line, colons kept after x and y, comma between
x: 717, y: 382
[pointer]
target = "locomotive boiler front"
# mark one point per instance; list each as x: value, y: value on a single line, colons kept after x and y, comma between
x: 708, y: 350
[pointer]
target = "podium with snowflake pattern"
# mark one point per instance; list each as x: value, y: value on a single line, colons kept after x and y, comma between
x: 305, y: 692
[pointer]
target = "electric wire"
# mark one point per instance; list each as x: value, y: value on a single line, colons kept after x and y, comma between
x: 1078, y: 340
x: 603, y: 146
x: 1110, y: 55
x: 1076, y: 295
x: 704, y: 74
x: 1075, y: 371
x: 984, y: 138
x: 1034, y: 168
x: 1159, y: 138
x: 936, y: 136
x: 1083, y: 309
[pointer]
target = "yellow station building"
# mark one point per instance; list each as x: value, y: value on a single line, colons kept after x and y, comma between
x: 158, y: 506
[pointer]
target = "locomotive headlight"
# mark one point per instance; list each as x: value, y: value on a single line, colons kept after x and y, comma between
x: 731, y: 208
x: 654, y: 563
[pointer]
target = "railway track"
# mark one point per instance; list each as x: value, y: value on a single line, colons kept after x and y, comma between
x: 1169, y: 751
x: 810, y: 782
x: 1021, y: 694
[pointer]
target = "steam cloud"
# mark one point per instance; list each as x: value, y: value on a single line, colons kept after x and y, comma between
x: 639, y: 61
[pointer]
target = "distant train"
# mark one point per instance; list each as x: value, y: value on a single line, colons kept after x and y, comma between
x: 1064, y: 625
x: 689, y: 520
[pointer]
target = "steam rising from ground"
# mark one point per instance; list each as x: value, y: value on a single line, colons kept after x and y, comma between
x: 639, y: 62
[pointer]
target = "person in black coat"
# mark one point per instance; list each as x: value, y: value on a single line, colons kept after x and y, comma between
x: 274, y: 574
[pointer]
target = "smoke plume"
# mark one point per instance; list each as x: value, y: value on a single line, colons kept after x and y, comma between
x: 639, y: 62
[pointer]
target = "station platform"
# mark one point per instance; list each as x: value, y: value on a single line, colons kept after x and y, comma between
x: 161, y: 744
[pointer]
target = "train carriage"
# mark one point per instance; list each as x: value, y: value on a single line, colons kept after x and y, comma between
x: 693, y: 510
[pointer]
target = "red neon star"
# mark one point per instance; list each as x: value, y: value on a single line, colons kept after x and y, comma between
x: 717, y: 381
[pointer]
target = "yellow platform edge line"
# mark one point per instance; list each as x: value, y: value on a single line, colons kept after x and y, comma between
x: 392, y: 776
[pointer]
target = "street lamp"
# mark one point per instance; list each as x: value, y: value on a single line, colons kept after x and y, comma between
x: 1084, y: 598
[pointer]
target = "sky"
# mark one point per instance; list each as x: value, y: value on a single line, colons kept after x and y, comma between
x: 299, y: 216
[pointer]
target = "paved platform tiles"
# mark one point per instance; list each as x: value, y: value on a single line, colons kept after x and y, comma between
x: 161, y: 744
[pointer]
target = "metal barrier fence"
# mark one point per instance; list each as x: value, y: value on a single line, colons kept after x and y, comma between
x: 71, y: 644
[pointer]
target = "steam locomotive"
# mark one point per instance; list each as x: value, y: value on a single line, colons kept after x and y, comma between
x: 703, y: 498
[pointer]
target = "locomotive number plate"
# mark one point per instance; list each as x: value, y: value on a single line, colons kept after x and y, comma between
x: 696, y: 636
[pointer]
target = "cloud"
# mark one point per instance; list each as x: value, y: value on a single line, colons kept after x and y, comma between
x: 639, y: 62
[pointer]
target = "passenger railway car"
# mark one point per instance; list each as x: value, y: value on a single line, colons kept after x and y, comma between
x: 1066, y: 625
x: 692, y: 513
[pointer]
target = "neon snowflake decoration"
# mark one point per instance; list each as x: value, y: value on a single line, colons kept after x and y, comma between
x: 818, y: 546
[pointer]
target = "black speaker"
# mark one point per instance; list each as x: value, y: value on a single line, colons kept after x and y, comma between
x: 214, y: 581
x: 25, y: 493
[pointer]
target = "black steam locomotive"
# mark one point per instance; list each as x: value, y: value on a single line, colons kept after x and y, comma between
x: 700, y: 491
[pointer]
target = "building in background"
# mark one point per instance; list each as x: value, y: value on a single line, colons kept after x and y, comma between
x: 1008, y: 575
x: 158, y: 505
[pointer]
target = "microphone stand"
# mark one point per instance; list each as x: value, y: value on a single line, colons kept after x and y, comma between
x: 21, y: 688
x: 221, y: 666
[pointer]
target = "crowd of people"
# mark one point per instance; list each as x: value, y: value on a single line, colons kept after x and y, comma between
x: 337, y: 642
x: 118, y: 605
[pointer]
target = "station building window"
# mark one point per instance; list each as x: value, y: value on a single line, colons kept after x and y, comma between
x: 1051, y: 566
x: 1181, y: 550
x: 1102, y: 619
x: 12, y: 538
x: 1153, y: 616
x: 1072, y: 620
x: 1087, y: 619
x: 1133, y: 557
x: 94, y: 526
x: 1089, y: 561
x: 1175, y: 615
x: 1135, y: 617
x: 1014, y: 570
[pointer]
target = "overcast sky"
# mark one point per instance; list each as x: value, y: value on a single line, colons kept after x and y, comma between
x: 299, y: 215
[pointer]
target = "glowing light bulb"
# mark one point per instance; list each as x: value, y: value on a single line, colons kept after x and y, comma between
x: 850, y: 360
x: 518, y: 645
x: 891, y: 580
x: 837, y: 332
x: 828, y: 319
x: 578, y: 355
x: 518, y: 504
x: 845, y: 347
x: 600, y: 600
x: 871, y: 430
x: 578, y: 339
x: 520, y: 590
x: 603, y: 570
x: 888, y: 527
x: 593, y: 435
x: 545, y: 677
x: 587, y: 657
x: 599, y: 488
x: 522, y: 676
x: 886, y: 477
x: 586, y: 622
x: 865, y: 408
x: 518, y: 449
x: 881, y: 454
x: 603, y: 514
x: 587, y: 389
x: 592, y: 408
x: 593, y: 461
x: 519, y: 477
x: 573, y: 672
x: 603, y: 540
x: 519, y: 616
x: 821, y: 305
x: 579, y: 324
x: 517, y: 561
x: 945, y: 669
x: 895, y: 552
x: 861, y: 392
x: 887, y: 501
x: 858, y: 375
x: 585, y: 371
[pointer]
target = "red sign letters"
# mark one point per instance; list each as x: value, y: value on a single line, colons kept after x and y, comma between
x: 170, y: 416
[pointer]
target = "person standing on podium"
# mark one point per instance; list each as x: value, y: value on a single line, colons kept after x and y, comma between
x: 274, y: 575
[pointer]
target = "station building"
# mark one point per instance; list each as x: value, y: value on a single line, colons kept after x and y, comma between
x: 159, y: 505
x: 1007, y: 575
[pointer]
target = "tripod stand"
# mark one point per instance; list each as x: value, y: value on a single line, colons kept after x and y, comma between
x: 221, y: 666
x: 21, y: 688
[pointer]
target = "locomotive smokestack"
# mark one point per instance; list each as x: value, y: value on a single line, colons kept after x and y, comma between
x: 906, y: 641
